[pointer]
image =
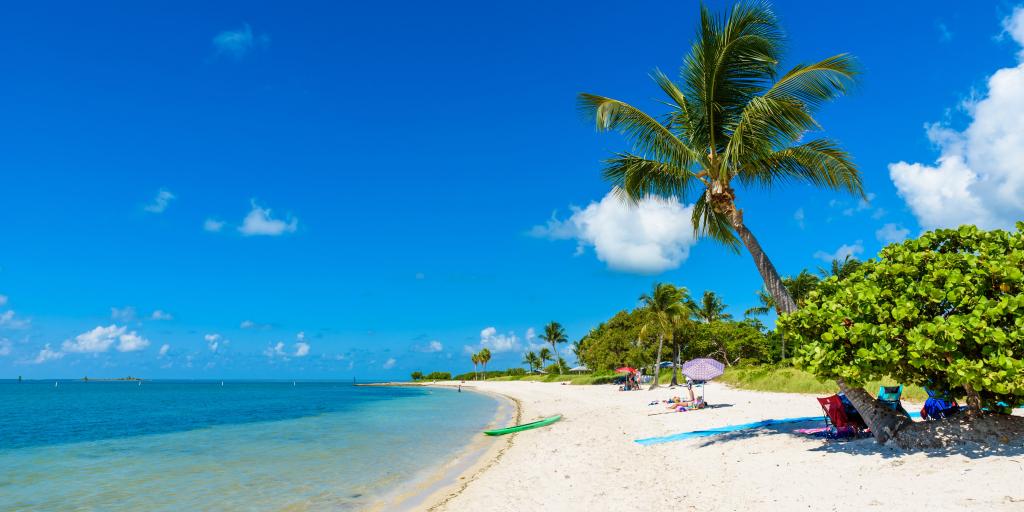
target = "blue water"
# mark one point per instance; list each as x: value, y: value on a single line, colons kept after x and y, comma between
x: 167, y: 445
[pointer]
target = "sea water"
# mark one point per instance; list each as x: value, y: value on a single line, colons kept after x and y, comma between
x: 166, y: 445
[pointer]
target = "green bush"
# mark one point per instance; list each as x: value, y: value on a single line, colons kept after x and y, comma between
x: 945, y: 310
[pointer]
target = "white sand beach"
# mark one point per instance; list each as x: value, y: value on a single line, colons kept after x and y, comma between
x: 589, y: 460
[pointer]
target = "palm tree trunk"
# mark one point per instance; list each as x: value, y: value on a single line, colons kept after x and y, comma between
x: 771, y: 278
x: 554, y: 351
x: 675, y: 369
x: 883, y: 421
x: 657, y: 363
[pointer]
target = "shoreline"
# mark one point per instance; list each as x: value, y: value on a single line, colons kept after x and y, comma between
x: 433, y: 487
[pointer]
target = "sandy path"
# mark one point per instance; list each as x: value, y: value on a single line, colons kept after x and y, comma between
x: 588, y: 461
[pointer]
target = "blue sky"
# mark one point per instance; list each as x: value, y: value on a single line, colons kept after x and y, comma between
x: 318, y: 190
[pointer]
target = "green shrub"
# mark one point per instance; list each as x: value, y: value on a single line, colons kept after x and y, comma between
x: 945, y: 310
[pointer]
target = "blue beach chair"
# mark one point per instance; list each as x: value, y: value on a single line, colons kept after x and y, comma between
x: 939, y: 405
x: 890, y: 396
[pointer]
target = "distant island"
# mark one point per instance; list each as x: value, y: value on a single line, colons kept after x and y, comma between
x: 128, y: 378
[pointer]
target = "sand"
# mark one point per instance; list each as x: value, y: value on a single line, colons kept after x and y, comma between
x: 589, y: 460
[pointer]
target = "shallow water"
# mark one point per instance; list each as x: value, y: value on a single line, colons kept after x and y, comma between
x: 245, y: 446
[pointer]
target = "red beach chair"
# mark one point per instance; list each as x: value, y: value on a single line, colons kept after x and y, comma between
x: 836, y: 422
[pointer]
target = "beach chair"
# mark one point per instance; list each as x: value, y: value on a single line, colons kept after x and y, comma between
x: 938, y: 405
x: 837, y: 424
x: 890, y: 396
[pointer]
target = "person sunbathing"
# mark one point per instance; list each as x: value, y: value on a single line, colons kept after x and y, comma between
x: 676, y: 402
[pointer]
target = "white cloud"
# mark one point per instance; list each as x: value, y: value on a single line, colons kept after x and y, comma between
x: 275, y: 350
x: 3, y: 300
x: 301, y: 336
x: 798, y: 216
x: 213, y: 225
x: 9, y: 320
x: 260, y: 221
x: 977, y: 177
x: 125, y: 314
x: 131, y: 342
x: 160, y: 202
x: 5, y: 347
x: 390, y: 363
x: 301, y: 349
x: 1014, y: 26
x: 431, y: 347
x: 238, y: 43
x: 101, y: 339
x: 650, y: 237
x: 495, y: 342
x: 97, y: 340
x: 841, y: 253
x: 892, y: 233
x: 212, y: 341
x: 46, y: 354
x: 249, y: 324
x: 161, y: 315
x: 163, y: 350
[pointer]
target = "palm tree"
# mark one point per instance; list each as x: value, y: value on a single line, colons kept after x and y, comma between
x: 545, y: 355
x: 709, y: 309
x: 577, y: 350
x: 476, y: 360
x: 485, y: 357
x: 840, y: 268
x: 665, y: 307
x: 799, y: 288
x: 530, y: 359
x: 554, y: 333
x: 733, y: 118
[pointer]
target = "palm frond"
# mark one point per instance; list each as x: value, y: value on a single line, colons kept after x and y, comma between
x: 820, y: 162
x: 731, y: 61
x: 648, y: 136
x: 635, y: 178
x: 813, y: 84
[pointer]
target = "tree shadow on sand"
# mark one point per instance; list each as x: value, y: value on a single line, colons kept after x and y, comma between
x: 865, y: 446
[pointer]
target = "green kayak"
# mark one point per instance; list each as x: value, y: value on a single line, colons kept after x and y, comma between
x: 524, y: 426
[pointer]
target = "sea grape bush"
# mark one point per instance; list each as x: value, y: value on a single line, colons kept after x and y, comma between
x: 945, y: 310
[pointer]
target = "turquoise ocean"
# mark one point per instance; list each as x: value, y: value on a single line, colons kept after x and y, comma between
x: 170, y: 445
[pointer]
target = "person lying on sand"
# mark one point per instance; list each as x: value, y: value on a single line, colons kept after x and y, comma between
x: 676, y: 401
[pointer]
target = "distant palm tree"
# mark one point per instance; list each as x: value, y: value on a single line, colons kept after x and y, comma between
x: 709, y: 309
x: 840, y: 268
x: 485, y: 357
x: 663, y: 308
x: 577, y: 350
x: 531, y: 360
x: 476, y: 360
x: 799, y: 287
x: 545, y: 355
x: 554, y: 334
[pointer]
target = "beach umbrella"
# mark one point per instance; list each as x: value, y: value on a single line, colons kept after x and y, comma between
x: 666, y: 364
x: 625, y: 369
x: 702, y: 369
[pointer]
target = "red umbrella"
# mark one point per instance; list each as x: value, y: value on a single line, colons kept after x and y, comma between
x: 625, y: 369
